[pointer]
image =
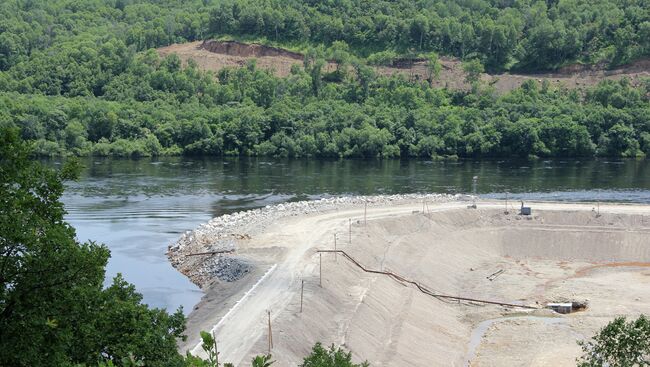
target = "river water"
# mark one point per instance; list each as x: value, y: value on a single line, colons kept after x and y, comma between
x: 138, y: 207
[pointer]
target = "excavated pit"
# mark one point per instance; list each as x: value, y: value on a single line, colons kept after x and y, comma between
x: 563, y: 254
x: 552, y: 256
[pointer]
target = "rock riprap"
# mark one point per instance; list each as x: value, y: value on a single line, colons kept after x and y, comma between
x: 220, y: 232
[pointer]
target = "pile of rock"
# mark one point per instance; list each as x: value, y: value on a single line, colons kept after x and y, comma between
x: 227, y: 269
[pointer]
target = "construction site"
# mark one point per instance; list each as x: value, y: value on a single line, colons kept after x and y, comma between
x: 429, y: 280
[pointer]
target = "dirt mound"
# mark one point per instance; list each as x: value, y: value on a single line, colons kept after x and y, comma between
x: 234, y: 48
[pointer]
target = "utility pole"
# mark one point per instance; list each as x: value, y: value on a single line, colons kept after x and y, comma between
x: 474, y: 184
x: 302, y: 290
x: 270, y: 332
x: 506, y: 212
x: 350, y: 231
x: 365, y: 212
x: 336, y: 259
x: 320, y: 269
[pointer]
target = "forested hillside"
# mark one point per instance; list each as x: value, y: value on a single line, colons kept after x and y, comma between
x: 526, y: 34
x: 80, y: 77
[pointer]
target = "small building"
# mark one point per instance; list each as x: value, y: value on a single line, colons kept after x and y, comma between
x: 525, y: 210
x: 561, y: 307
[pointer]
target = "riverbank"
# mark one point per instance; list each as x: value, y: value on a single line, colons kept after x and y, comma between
x: 223, y: 232
x: 547, y: 257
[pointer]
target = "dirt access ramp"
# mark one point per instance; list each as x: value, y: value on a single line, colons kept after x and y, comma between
x: 216, y: 55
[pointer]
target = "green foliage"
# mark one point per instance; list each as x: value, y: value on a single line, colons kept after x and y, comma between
x: 54, y: 310
x: 619, y: 344
x: 473, y: 70
x: 531, y: 34
x: 433, y: 66
x: 80, y: 79
x: 384, y: 58
x: 250, y: 112
x: 332, y: 357
x: 209, y: 345
x: 262, y: 361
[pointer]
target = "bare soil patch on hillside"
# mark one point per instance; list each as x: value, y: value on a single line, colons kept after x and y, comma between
x: 216, y: 55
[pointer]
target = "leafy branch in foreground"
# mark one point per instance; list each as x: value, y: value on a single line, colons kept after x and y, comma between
x: 319, y: 357
x: 54, y: 309
x: 620, y: 343
x: 332, y: 357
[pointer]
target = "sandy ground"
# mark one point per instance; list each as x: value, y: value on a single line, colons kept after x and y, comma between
x: 451, y: 76
x: 564, y: 252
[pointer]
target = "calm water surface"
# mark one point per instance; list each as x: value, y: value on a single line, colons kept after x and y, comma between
x: 137, y: 208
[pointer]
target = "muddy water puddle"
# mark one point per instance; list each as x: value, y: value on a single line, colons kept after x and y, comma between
x: 480, y: 330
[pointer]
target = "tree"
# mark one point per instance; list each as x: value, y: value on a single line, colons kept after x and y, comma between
x: 332, y: 357
x: 618, y: 344
x: 419, y: 27
x: 433, y: 67
x: 209, y: 345
x: 53, y: 308
x: 340, y: 54
x: 473, y: 70
x: 44, y: 273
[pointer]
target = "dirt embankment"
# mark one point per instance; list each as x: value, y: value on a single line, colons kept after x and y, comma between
x: 216, y: 55
x: 234, y: 48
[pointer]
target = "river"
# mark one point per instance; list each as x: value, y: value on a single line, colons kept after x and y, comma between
x: 138, y: 207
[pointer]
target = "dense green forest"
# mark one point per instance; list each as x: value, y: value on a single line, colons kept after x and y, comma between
x: 79, y: 77
x: 156, y: 107
x: 524, y: 34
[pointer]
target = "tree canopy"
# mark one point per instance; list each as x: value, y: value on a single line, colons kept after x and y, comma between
x: 54, y: 310
x: 529, y: 34
x: 157, y: 107
x: 620, y: 343
x: 330, y: 357
x: 80, y: 78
